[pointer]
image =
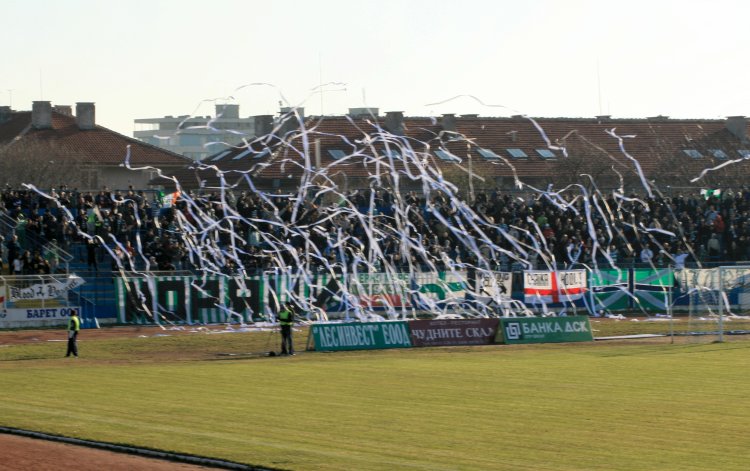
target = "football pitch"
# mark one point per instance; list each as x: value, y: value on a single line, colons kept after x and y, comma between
x: 644, y: 404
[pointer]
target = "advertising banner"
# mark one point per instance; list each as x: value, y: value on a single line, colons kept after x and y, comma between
x: 361, y: 336
x: 433, y: 333
x: 545, y: 329
x: 553, y: 287
x: 14, y: 317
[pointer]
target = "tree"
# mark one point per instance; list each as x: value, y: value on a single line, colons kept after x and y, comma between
x: 42, y: 164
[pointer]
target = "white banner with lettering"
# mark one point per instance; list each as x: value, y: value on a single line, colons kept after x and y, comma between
x: 49, y: 290
x: 495, y: 284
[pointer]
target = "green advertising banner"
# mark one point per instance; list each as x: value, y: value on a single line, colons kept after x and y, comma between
x: 361, y: 336
x: 544, y: 329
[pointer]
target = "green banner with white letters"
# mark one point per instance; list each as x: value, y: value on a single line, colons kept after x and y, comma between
x: 544, y: 330
x: 361, y: 335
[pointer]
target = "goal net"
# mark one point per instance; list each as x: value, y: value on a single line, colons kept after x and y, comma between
x: 719, y: 301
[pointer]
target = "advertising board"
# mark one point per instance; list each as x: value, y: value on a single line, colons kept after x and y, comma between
x: 544, y: 330
x: 433, y: 333
x: 361, y: 335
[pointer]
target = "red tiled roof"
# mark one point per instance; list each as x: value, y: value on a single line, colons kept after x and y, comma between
x: 99, y: 146
x: 657, y: 144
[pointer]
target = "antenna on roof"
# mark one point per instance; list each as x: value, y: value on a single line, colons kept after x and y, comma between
x: 320, y: 77
x: 599, y: 85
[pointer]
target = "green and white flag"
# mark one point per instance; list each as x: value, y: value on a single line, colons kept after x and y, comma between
x: 709, y: 193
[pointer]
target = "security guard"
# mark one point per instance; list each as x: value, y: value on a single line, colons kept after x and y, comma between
x: 74, y: 325
x: 286, y: 320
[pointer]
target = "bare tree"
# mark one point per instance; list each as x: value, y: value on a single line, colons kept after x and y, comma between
x: 42, y: 164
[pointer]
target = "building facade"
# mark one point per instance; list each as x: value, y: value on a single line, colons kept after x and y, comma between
x: 196, y: 137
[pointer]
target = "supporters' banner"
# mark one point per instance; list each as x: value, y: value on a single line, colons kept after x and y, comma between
x: 544, y: 330
x: 380, y: 290
x: 651, y: 287
x: 610, y: 289
x: 441, y: 286
x: 432, y: 333
x: 187, y: 299
x: 691, y: 278
x: 554, y: 287
x: 361, y: 336
x: 495, y: 284
x: 52, y: 289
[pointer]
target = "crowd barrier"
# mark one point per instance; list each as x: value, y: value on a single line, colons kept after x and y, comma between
x: 216, y: 298
x: 149, y: 298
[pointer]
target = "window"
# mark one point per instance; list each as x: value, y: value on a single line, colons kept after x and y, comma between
x: 488, y: 154
x: 394, y: 154
x: 517, y: 153
x: 219, y: 156
x: 191, y: 140
x: 443, y: 154
x: 546, y: 154
x: 265, y: 152
x: 242, y: 154
x: 744, y: 153
x: 336, y: 153
x: 718, y: 154
x: 692, y: 153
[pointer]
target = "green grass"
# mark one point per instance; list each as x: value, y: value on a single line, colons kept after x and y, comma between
x: 594, y: 406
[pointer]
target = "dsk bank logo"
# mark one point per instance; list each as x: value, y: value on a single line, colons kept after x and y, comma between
x: 513, y: 331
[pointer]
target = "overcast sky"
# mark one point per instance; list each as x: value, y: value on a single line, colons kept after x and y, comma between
x: 566, y: 58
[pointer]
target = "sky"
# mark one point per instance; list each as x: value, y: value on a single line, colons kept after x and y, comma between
x: 543, y: 58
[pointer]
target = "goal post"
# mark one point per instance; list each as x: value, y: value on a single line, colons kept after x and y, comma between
x: 719, y: 301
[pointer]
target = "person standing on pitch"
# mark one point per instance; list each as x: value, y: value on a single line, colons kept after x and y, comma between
x: 286, y: 320
x: 74, y: 325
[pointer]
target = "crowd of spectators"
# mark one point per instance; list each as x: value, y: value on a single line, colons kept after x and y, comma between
x: 408, y: 231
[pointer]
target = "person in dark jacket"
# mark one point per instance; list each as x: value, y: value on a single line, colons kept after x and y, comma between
x: 286, y: 321
x: 74, y: 325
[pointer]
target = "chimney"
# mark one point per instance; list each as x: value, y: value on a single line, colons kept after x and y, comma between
x: 604, y: 118
x: 66, y: 110
x: 85, y: 115
x: 737, y: 125
x: 659, y: 119
x: 363, y: 112
x: 394, y: 122
x: 228, y: 111
x: 5, y: 114
x: 263, y: 125
x: 469, y: 115
x: 41, y: 115
x: 290, y: 119
x: 449, y: 122
x: 291, y: 109
x: 513, y: 135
